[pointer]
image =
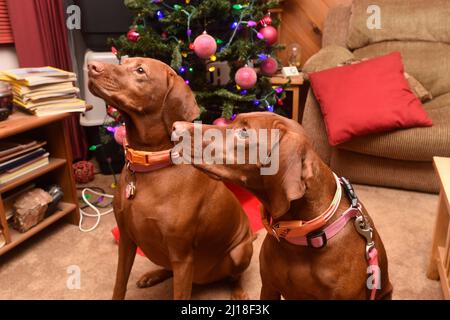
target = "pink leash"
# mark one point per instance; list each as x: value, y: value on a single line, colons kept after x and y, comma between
x: 375, y: 269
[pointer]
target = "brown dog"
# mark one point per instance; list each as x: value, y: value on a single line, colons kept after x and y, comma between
x: 183, y: 220
x: 302, y: 189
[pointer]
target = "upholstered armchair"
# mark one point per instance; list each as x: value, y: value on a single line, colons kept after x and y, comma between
x: 420, y: 30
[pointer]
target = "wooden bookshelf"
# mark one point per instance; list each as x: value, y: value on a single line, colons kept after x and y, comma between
x: 58, y: 171
x: 20, y: 122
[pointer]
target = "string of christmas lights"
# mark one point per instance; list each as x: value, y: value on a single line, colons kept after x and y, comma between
x: 193, y: 35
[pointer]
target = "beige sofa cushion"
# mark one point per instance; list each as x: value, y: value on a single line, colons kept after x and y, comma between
x: 428, y: 62
x: 328, y: 57
x: 335, y: 29
x: 438, y: 102
x: 416, y: 144
x: 363, y: 169
x: 404, y: 20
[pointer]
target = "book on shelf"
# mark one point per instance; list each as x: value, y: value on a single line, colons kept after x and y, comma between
x: 16, y: 162
x: 21, y: 157
x: 75, y: 105
x: 21, y: 90
x: 48, y: 95
x: 50, y: 102
x: 18, y: 149
x: 44, y: 91
x: 27, y: 163
x: 10, y: 147
x: 34, y: 165
x: 37, y: 76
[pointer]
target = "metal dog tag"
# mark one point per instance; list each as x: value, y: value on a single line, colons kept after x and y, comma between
x: 130, y: 190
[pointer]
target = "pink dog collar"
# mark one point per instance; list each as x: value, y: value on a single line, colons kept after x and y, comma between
x: 318, y: 239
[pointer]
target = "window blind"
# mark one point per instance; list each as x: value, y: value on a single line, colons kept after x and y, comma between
x: 6, y: 35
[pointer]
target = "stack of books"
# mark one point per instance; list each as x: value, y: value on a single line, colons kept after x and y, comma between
x: 44, y: 91
x: 21, y: 157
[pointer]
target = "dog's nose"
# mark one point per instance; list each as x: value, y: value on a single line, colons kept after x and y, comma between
x: 95, y: 68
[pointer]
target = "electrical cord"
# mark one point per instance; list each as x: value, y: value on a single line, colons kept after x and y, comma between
x: 98, y: 200
x: 101, y: 193
x: 98, y: 189
x: 97, y: 214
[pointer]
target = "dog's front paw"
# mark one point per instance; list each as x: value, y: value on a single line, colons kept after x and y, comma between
x: 153, y: 277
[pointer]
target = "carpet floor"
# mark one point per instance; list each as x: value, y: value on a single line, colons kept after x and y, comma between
x: 41, y: 267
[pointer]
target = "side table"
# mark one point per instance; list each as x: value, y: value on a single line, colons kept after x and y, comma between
x: 439, y: 266
x: 294, y: 88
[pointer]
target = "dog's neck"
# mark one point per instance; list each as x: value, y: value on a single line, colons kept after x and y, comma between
x: 147, y: 132
x: 320, y: 190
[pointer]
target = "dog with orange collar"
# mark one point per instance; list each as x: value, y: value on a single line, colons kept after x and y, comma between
x: 190, y: 225
x: 320, y: 243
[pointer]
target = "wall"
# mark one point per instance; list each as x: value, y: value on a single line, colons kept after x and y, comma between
x: 8, y: 57
x: 303, y: 22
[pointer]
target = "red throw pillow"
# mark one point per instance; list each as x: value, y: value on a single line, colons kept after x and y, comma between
x: 369, y: 97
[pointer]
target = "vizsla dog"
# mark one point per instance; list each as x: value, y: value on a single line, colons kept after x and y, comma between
x: 313, y: 250
x: 184, y: 221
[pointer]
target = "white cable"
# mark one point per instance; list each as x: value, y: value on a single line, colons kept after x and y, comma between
x: 97, y: 214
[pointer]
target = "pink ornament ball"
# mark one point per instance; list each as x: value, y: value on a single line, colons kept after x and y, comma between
x: 119, y: 134
x: 221, y: 122
x: 133, y: 35
x: 270, y: 34
x: 205, y: 46
x: 246, y: 77
x: 269, y: 66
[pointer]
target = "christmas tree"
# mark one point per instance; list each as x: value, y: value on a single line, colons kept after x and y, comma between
x: 199, y: 39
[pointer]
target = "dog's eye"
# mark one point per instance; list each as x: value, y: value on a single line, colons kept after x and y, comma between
x: 242, y: 133
x: 140, y: 70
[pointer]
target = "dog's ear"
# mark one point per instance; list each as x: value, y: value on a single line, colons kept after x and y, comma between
x: 179, y: 103
x: 295, y: 167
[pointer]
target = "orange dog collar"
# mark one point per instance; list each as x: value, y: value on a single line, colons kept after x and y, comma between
x: 300, y: 228
x: 145, y: 161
